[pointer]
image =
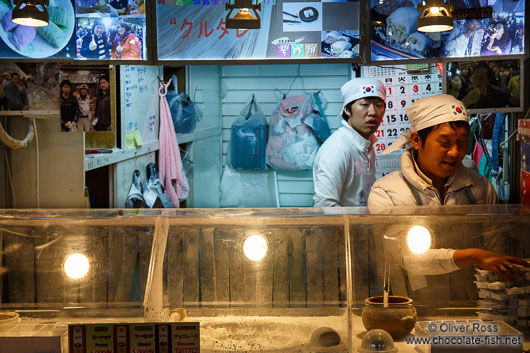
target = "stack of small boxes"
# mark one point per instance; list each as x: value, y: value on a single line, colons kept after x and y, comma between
x: 504, y: 301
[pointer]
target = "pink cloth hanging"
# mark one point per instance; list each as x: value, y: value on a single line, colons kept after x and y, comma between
x: 169, y: 162
x: 477, y: 153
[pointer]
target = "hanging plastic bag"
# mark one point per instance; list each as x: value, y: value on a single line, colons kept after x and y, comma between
x: 294, y: 127
x: 184, y: 113
x: 248, y: 188
x: 249, y: 138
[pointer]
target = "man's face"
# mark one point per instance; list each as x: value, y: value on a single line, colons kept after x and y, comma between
x: 83, y: 92
x: 66, y: 90
x: 104, y: 84
x: 442, y: 151
x: 98, y: 30
x: 365, y: 115
x: 15, y: 79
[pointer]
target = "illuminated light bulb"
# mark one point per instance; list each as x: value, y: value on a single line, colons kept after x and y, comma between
x: 435, y: 10
x: 419, y: 239
x: 255, y: 247
x: 76, y: 266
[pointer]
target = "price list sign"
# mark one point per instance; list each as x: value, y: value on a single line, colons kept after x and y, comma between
x: 404, y: 85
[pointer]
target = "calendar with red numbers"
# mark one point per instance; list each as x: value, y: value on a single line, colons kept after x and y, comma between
x: 404, y: 84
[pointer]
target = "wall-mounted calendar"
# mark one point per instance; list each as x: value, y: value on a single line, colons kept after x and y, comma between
x: 404, y: 84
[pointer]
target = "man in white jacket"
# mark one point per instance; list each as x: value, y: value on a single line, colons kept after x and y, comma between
x: 344, y: 167
x: 432, y: 174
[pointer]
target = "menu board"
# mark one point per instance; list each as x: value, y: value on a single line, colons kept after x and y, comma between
x: 80, y: 29
x: 404, y: 84
x: 496, y: 29
x: 197, y: 30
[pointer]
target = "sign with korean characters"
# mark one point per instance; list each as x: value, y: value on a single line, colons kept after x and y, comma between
x: 404, y: 84
x: 170, y: 337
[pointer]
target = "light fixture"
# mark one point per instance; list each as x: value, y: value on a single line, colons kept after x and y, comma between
x: 76, y: 266
x: 30, y: 15
x: 255, y: 247
x: 243, y: 19
x: 419, y: 239
x: 435, y: 16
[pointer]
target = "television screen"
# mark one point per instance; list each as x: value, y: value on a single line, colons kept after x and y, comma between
x: 110, y: 30
x: 79, y: 30
x: 200, y: 30
x: 498, y: 30
x: 486, y: 86
x: 53, y: 41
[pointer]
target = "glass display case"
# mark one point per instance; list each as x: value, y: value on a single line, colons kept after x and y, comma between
x: 256, y: 280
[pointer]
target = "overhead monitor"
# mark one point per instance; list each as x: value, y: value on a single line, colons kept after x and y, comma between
x: 486, y: 86
x: 78, y: 30
x: 199, y: 30
x: 481, y: 28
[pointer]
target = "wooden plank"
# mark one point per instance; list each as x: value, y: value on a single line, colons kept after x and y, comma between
x: 280, y: 288
x: 223, y: 240
x: 330, y: 237
x: 123, y: 255
x: 175, y: 274
x: 264, y: 277
x: 145, y: 241
x: 341, y: 256
x: 297, y: 270
x: 98, y: 242
x: 49, y: 287
x: 21, y: 279
x: 207, y: 266
x: 237, y: 270
x: 191, y: 264
x: 314, y: 265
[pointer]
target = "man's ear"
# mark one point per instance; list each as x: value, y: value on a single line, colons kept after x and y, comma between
x: 415, y: 140
x: 346, y: 111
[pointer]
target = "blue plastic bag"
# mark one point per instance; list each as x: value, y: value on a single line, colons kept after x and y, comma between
x: 249, y: 138
x: 184, y: 112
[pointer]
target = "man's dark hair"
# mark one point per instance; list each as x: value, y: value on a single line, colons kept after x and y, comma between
x: 14, y: 74
x: 347, y: 107
x: 66, y: 83
x: 104, y: 77
x: 423, y: 133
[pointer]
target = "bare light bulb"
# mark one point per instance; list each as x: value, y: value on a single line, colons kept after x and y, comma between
x: 76, y: 266
x: 255, y: 247
x: 435, y: 10
x: 419, y: 239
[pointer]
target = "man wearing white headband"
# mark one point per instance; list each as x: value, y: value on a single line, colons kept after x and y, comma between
x: 344, y: 167
x: 432, y: 174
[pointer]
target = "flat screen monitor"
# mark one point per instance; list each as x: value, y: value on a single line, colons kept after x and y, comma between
x: 78, y: 30
x: 199, y: 30
x: 486, y: 86
x: 394, y: 33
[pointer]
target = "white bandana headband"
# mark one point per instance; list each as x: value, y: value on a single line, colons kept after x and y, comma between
x: 429, y: 112
x: 358, y: 88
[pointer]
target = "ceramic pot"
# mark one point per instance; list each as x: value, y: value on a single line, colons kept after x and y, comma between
x: 398, y: 318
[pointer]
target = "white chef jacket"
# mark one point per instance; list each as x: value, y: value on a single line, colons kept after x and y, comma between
x: 344, y: 169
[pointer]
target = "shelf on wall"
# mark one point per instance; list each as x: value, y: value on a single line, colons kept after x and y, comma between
x: 98, y: 160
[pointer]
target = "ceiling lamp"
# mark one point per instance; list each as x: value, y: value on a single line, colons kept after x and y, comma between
x: 30, y: 15
x: 435, y: 16
x: 243, y: 19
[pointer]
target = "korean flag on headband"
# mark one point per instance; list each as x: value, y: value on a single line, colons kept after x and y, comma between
x: 368, y: 89
x: 459, y: 110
